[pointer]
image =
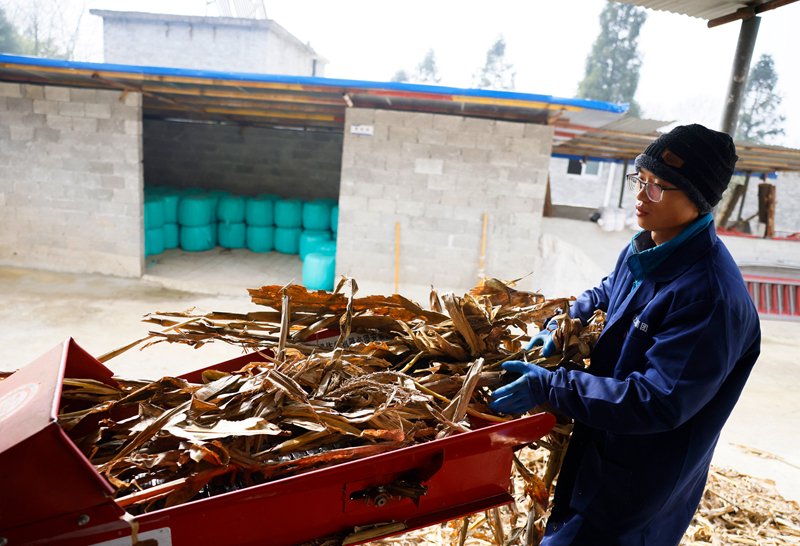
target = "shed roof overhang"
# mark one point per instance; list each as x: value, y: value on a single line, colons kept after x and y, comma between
x: 296, y: 102
x: 623, y: 140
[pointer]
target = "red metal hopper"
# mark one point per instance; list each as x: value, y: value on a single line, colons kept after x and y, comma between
x: 52, y: 494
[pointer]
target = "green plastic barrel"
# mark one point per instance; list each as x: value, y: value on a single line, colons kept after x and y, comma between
x: 230, y: 209
x: 260, y: 238
x: 196, y: 210
x: 198, y: 238
x: 171, y: 236
x: 309, y: 238
x: 319, y: 271
x: 335, y: 218
x: 171, y: 199
x: 231, y: 235
x: 316, y: 215
x: 271, y: 196
x: 288, y: 213
x: 287, y: 240
x: 154, y: 241
x: 324, y: 247
x: 153, y: 211
x: 259, y: 211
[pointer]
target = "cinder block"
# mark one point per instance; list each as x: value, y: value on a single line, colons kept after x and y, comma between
x: 133, y: 127
x: 418, y: 120
x: 59, y: 94
x: 359, y: 116
x: 45, y: 107
x: 84, y: 95
x: 509, y: 128
x: 33, y: 92
x: 10, y: 90
x: 98, y: 110
x: 46, y: 134
x: 21, y: 133
x: 19, y: 104
x: 131, y: 99
x: 448, y: 123
x: 462, y: 140
x: 389, y: 117
x: 71, y: 109
x: 401, y: 134
x: 475, y: 155
x: 478, y: 125
x: 431, y: 136
x: 84, y: 125
x: 377, y: 204
x: 428, y: 166
x: 507, y: 159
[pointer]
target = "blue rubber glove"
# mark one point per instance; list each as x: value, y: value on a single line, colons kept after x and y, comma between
x: 545, y: 338
x: 522, y: 394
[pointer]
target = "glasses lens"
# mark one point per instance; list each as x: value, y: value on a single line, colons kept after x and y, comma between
x: 633, y: 183
x: 654, y: 193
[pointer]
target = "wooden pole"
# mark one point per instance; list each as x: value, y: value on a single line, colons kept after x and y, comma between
x: 397, y: 257
x: 482, y: 260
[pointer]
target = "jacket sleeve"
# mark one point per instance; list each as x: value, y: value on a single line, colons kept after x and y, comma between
x: 598, y: 297
x: 691, y: 356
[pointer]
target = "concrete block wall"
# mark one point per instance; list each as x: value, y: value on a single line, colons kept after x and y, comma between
x: 436, y: 175
x: 244, y: 160
x: 71, y: 179
x: 206, y: 43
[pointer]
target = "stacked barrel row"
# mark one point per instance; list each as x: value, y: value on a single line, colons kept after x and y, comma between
x: 197, y: 220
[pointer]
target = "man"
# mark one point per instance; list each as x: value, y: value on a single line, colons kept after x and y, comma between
x: 680, y: 339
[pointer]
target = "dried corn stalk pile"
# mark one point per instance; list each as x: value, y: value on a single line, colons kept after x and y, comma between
x: 332, y: 378
x: 735, y: 509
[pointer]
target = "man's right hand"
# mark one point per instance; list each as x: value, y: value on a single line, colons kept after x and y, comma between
x: 545, y: 339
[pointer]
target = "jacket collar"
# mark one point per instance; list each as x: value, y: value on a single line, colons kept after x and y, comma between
x: 691, y: 250
x: 662, y: 262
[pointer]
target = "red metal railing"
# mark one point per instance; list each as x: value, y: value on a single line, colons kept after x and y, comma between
x: 775, y: 297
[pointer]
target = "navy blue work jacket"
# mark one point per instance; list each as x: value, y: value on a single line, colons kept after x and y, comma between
x: 665, y: 374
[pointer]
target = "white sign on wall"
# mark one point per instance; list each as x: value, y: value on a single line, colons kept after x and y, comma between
x: 366, y: 130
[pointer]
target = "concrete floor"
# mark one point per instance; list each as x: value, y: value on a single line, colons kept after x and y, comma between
x: 41, y: 309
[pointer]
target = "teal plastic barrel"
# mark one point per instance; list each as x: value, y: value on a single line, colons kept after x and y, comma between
x: 271, y: 196
x: 308, y: 239
x: 324, y: 247
x: 196, y: 210
x: 231, y: 235
x: 154, y: 241
x: 153, y: 211
x: 171, y: 199
x: 230, y: 209
x: 335, y: 218
x: 316, y: 215
x: 198, y: 238
x: 319, y: 271
x: 288, y: 213
x: 171, y: 236
x: 259, y: 211
x: 260, y: 238
x: 287, y: 240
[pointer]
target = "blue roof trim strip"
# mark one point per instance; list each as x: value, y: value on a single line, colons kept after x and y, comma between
x: 309, y: 80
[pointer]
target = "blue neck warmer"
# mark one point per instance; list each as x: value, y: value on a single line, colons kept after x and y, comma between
x: 647, y: 256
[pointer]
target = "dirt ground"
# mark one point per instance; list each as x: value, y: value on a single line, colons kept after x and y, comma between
x: 42, y: 309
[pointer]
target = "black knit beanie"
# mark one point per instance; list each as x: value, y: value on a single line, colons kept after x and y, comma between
x: 698, y: 160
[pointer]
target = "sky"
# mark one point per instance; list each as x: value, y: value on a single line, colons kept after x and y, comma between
x: 684, y: 77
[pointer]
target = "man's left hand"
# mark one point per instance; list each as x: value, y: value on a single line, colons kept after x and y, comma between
x: 522, y: 394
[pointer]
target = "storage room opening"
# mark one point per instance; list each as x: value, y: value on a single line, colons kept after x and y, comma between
x: 209, y: 187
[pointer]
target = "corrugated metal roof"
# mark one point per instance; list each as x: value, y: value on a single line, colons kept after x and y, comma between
x: 299, y: 102
x: 706, y: 9
x: 624, y: 140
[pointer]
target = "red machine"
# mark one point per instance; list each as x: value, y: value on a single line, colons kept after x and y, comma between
x: 52, y: 494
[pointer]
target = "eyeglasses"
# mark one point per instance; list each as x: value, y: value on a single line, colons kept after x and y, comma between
x: 653, y: 190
